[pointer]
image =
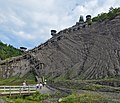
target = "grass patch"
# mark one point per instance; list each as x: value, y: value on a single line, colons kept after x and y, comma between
x: 84, y: 98
x: 16, y: 80
x: 84, y: 85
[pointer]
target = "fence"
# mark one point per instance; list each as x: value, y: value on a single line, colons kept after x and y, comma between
x: 12, y: 90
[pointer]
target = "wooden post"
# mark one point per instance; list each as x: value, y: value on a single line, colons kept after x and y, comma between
x: 28, y: 89
x: 20, y: 90
x: 10, y: 90
x: 4, y: 88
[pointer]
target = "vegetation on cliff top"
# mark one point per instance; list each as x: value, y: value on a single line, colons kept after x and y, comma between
x: 104, y: 16
x: 7, y: 51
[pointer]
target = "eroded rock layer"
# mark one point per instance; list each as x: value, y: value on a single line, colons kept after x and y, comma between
x: 91, y: 52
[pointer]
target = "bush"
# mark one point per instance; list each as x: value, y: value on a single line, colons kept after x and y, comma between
x: 29, y: 98
x: 37, y: 97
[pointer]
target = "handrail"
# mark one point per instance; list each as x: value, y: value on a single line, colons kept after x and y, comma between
x: 9, y: 90
x: 15, y: 86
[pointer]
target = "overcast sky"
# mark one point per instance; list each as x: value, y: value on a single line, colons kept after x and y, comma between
x: 28, y: 22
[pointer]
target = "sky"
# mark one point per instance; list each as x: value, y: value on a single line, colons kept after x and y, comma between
x: 28, y: 23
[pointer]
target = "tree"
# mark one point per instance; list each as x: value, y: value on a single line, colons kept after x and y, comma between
x: 7, y: 51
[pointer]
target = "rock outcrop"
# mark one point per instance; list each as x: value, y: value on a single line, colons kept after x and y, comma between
x: 91, y: 52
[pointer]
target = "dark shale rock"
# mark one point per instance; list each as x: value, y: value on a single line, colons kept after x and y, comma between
x: 86, y: 53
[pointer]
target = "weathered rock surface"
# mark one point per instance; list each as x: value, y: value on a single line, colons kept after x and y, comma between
x: 75, y: 53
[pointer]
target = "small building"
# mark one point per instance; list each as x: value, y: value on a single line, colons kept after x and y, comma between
x: 53, y: 32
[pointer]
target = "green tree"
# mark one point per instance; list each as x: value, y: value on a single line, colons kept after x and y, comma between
x: 7, y: 51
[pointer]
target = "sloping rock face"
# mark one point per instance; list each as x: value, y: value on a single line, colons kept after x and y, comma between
x: 92, y: 52
x: 18, y: 66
